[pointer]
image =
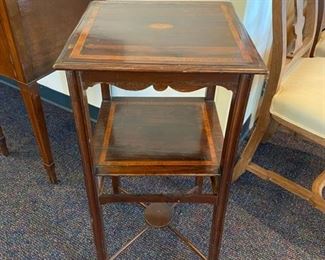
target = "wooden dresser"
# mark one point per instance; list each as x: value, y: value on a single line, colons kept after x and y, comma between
x: 32, y: 34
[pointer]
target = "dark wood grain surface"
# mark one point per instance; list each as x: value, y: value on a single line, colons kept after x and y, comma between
x: 158, y: 136
x: 160, y: 36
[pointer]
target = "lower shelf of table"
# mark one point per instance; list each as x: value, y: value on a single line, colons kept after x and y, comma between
x: 157, y: 136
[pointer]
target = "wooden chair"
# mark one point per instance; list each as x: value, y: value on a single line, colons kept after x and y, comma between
x: 32, y: 34
x: 294, y: 97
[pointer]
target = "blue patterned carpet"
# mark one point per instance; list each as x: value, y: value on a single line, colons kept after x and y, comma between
x: 42, y: 221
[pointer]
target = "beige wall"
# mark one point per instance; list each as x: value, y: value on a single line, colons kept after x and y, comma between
x: 240, y: 6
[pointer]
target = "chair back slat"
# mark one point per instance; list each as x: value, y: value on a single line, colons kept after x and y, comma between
x: 288, y: 47
x: 303, y: 23
x: 320, y: 25
x: 298, y: 26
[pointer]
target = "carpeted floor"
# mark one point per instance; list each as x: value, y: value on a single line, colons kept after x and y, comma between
x: 43, y: 221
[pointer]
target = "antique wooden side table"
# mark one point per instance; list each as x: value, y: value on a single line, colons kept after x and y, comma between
x: 184, y: 45
x: 32, y: 34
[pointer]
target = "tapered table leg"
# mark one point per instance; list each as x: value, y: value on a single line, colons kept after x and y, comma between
x: 3, y: 145
x: 35, y: 112
x: 234, y: 125
x: 83, y: 127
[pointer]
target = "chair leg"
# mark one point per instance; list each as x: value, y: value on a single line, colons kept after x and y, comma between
x: 317, y: 189
x: 273, y: 126
x: 251, y: 147
x: 34, y: 109
x: 3, y: 145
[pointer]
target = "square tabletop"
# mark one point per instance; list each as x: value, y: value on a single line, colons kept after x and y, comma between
x: 158, y: 36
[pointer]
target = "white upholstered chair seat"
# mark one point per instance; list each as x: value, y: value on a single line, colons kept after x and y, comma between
x: 320, y: 47
x: 300, y: 99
